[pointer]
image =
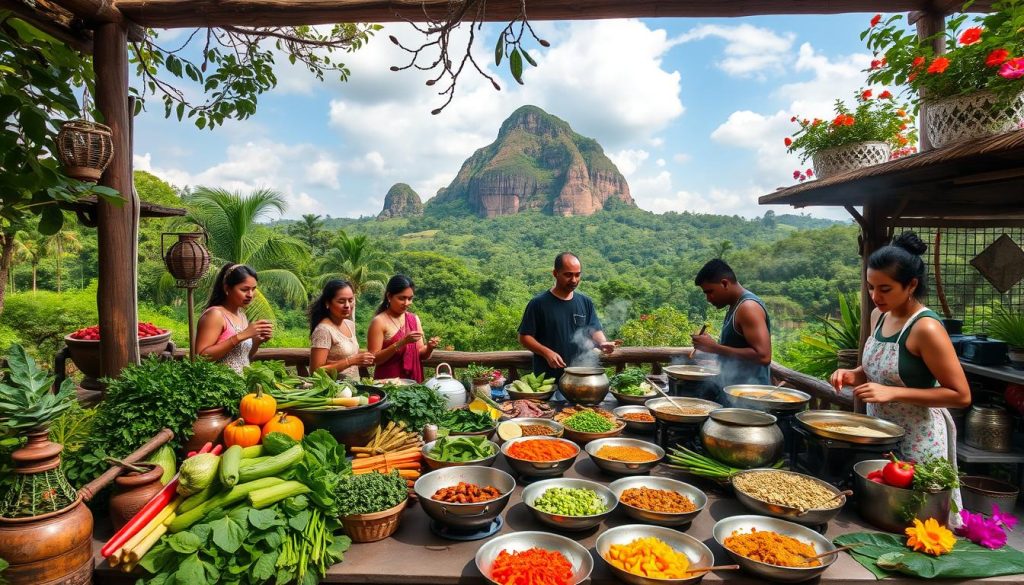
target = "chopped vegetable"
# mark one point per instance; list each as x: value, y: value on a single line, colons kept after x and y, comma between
x: 370, y: 492
x: 542, y: 450
x: 535, y: 566
x: 588, y: 421
x: 570, y: 502
x: 649, y: 557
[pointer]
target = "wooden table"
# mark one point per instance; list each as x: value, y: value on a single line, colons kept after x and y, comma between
x: 414, y: 555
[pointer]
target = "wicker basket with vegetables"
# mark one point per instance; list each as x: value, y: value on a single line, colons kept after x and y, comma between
x: 371, y: 505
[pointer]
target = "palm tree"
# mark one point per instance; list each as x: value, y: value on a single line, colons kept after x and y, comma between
x: 311, y: 231
x: 352, y: 259
x: 721, y: 248
x: 31, y: 248
x: 60, y: 243
x: 235, y: 236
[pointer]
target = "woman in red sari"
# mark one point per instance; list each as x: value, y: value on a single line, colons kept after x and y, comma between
x: 395, y: 336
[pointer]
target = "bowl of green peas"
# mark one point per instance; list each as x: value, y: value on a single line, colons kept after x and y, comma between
x: 569, y: 504
x: 587, y: 425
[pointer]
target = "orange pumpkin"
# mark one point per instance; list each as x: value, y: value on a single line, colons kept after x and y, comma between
x: 284, y: 423
x: 242, y: 434
x: 258, y: 408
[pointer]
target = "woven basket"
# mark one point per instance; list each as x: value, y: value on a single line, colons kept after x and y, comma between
x: 840, y: 159
x: 84, y: 149
x: 971, y: 116
x: 375, y: 526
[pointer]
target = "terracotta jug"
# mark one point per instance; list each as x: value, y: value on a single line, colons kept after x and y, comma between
x: 131, y: 492
x: 207, y: 428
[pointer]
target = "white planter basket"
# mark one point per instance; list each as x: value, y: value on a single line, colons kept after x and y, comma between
x: 972, y: 116
x: 840, y: 159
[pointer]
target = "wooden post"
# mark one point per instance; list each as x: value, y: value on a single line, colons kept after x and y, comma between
x: 874, y: 233
x: 117, y: 226
x: 928, y: 24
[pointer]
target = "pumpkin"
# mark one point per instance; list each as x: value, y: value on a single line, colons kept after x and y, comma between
x: 258, y: 408
x: 242, y: 434
x: 283, y: 423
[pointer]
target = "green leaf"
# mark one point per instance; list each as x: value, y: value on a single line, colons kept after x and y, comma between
x: 265, y: 566
x: 499, y: 49
x: 528, y: 58
x: 192, y: 571
x: 50, y: 220
x: 263, y: 519
x: 227, y: 534
x: 299, y: 521
x: 185, y: 542
x: 515, y: 62
x: 879, y: 552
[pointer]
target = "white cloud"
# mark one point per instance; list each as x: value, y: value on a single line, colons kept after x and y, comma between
x: 750, y: 51
x: 660, y: 162
x: 628, y: 160
x: 682, y: 157
x: 323, y: 172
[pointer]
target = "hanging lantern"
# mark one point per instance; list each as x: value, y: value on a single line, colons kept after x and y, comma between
x: 187, y: 259
x: 84, y: 149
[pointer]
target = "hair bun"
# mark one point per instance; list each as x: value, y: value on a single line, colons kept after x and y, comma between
x: 911, y: 243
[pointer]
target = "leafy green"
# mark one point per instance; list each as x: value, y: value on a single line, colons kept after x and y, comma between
x: 3, y: 566
x: 466, y: 421
x: 25, y: 398
x: 276, y: 443
x: 935, y: 475
x: 461, y: 449
x: 415, y: 405
x: 370, y: 492
x: 628, y: 378
x: 886, y: 554
x: 322, y: 468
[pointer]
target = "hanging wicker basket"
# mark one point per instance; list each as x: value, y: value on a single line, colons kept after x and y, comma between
x: 840, y: 159
x: 187, y: 259
x: 972, y: 116
x: 84, y: 149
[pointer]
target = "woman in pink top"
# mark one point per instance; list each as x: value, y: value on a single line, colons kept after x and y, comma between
x: 224, y: 333
x: 396, y: 336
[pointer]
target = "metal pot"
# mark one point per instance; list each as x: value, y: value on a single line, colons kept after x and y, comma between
x: 584, y: 385
x: 742, y: 438
x: 464, y: 516
x: 891, y: 508
x: 989, y: 428
x: 445, y: 383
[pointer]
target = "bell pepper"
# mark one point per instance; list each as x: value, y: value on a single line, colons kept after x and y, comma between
x: 876, y: 476
x: 898, y: 473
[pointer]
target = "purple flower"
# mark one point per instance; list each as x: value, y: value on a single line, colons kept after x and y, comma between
x: 981, y: 530
x: 1008, y: 521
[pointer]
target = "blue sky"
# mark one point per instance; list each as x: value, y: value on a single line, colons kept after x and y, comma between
x: 693, y: 111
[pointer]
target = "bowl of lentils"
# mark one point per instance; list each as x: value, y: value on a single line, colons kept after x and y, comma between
x: 583, y: 424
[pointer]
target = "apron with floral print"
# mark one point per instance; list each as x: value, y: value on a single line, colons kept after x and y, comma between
x: 929, y: 431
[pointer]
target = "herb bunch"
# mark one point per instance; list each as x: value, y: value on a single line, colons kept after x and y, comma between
x: 370, y: 492
x: 415, y: 405
x: 628, y: 378
x: 934, y: 475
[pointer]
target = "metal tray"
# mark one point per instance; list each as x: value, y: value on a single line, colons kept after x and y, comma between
x: 766, y: 404
x: 693, y: 373
x: 809, y: 417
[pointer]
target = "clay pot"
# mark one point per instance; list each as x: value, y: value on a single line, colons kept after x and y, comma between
x: 85, y: 353
x: 207, y: 428
x: 132, y: 491
x: 51, y: 549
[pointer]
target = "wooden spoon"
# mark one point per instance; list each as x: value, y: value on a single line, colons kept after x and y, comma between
x: 832, y: 552
x: 715, y: 568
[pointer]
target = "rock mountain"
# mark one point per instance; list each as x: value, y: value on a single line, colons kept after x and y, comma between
x: 401, y: 201
x: 536, y: 163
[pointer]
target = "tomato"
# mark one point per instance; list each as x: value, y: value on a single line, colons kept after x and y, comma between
x: 898, y: 473
x: 373, y: 399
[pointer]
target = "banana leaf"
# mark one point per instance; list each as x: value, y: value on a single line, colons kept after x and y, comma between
x: 887, y: 555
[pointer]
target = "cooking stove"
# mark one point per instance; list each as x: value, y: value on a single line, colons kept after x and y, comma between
x: 704, y: 389
x: 670, y: 434
x: 831, y: 460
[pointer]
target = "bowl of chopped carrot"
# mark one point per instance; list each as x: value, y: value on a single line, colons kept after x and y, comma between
x: 540, y: 456
x: 659, y: 500
x: 624, y: 456
x: 534, y: 557
x: 774, y: 549
x: 653, y: 555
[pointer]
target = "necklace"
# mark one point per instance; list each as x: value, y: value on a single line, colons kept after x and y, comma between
x: 396, y: 322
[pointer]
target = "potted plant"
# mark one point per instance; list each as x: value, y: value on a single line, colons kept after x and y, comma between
x: 973, y: 89
x: 1008, y: 325
x: 481, y: 377
x: 872, y: 132
x: 84, y: 347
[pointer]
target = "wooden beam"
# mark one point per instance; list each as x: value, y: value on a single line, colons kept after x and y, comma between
x: 53, y: 21
x: 117, y: 228
x: 95, y: 12
x: 203, y: 13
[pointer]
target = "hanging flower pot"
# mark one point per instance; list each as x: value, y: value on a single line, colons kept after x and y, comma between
x: 848, y: 157
x: 84, y: 149
x: 971, y: 116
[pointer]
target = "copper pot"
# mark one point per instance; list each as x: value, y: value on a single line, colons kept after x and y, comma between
x: 208, y: 428
x: 132, y: 491
x: 49, y: 549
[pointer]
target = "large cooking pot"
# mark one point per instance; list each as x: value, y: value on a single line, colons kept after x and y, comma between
x: 584, y: 385
x: 445, y: 383
x: 742, y: 438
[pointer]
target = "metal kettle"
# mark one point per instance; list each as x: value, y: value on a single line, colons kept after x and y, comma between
x: 445, y: 383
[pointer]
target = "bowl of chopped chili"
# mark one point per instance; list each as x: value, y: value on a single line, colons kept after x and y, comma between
x: 774, y: 549
x: 540, y: 456
x: 659, y: 500
x: 637, y: 418
x: 541, y: 556
x: 624, y: 456
x: 467, y: 497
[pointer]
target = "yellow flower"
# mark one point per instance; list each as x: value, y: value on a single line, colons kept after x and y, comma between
x: 929, y: 537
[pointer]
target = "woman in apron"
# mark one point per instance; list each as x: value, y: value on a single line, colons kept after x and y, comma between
x: 910, y: 373
x: 395, y: 335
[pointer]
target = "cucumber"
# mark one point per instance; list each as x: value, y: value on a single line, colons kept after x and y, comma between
x: 275, y: 465
x: 252, y: 452
x: 247, y: 462
x: 222, y: 500
x: 164, y: 457
x: 229, y: 465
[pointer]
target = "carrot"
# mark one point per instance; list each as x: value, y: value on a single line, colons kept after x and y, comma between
x: 396, y: 457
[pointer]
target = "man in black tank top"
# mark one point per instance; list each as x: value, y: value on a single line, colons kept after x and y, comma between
x: 745, y: 347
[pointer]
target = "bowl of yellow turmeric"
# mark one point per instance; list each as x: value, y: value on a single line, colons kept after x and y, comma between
x: 624, y: 456
x: 653, y: 555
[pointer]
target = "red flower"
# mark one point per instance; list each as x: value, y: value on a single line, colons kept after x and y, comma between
x: 903, y: 126
x: 917, y: 62
x: 875, y: 20
x: 939, y: 65
x: 970, y: 36
x: 810, y: 173
x: 866, y: 94
x: 996, y: 58
x: 788, y: 141
x: 849, y: 121
x: 793, y: 119
x: 796, y: 174
x: 912, y: 76
x: 875, y: 63
x: 885, y: 95
x: 838, y: 121
x: 816, y: 122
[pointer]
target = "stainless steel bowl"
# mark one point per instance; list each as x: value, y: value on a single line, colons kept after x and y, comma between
x: 690, y: 373
x: 892, y: 433
x: 584, y: 385
x: 438, y: 464
x: 534, y: 491
x: 659, y: 483
x: 743, y: 524
x: 464, y: 515
x: 813, y: 517
x: 547, y: 422
x: 891, y: 508
x: 742, y: 438
x: 581, y: 438
x: 539, y: 468
x: 630, y: 399
x: 683, y: 402
x: 517, y: 395
x: 635, y: 426
x: 574, y: 552
x: 623, y: 467
x: 799, y: 402
x: 489, y: 433
x: 699, y: 555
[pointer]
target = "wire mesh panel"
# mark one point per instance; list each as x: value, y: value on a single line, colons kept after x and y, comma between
x: 973, y: 270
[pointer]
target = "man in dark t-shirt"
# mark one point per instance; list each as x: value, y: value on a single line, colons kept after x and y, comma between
x: 560, y: 325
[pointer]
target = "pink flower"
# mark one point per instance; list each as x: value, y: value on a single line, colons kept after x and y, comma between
x: 793, y: 119
x: 1012, y: 69
x: 1007, y: 520
x: 810, y: 173
x: 796, y: 174
x: 982, y: 531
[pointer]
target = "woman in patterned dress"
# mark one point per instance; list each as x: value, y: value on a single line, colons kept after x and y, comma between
x: 224, y: 333
x: 332, y: 332
x: 910, y: 373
